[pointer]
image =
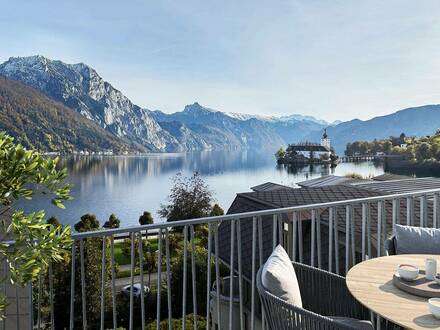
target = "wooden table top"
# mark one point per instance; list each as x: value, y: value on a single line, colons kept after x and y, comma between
x: 371, y: 283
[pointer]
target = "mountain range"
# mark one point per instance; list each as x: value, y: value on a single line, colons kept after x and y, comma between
x: 415, y: 121
x: 78, y: 98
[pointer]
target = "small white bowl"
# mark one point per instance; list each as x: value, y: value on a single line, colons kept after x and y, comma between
x: 408, y: 272
x: 434, y: 307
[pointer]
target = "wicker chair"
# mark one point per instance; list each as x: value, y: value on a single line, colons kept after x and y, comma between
x: 390, y: 246
x: 327, y: 303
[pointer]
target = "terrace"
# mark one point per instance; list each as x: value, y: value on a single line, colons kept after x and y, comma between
x: 333, y: 236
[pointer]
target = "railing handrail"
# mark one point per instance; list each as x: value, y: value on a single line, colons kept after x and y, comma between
x: 228, y: 217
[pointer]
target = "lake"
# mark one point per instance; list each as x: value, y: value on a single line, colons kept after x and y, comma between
x: 128, y: 185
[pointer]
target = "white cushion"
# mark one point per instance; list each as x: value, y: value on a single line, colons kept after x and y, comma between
x: 417, y: 240
x: 279, y: 277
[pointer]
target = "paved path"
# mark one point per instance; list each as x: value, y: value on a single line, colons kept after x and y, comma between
x: 120, y: 282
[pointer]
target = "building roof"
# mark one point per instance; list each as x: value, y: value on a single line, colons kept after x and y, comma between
x: 269, y: 186
x: 401, y: 186
x: 261, y: 200
x: 390, y: 177
x: 328, y: 180
x: 304, y: 196
x: 309, y: 147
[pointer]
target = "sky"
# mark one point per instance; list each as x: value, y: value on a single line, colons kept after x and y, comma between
x: 335, y: 60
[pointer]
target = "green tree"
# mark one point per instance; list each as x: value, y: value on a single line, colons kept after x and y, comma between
x: 280, y: 154
x: 112, y: 222
x: 146, y: 219
x: 88, y: 222
x: 92, y: 266
x: 423, y: 151
x: 22, y: 173
x: 149, y: 256
x: 189, y: 198
x: 216, y: 210
x: 54, y: 221
x: 201, y: 255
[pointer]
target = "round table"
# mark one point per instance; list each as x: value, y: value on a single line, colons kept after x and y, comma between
x: 371, y: 283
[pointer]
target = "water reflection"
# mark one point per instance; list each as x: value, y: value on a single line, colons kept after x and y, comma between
x: 129, y: 185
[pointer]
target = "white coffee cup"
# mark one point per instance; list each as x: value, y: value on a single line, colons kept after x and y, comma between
x: 430, y: 269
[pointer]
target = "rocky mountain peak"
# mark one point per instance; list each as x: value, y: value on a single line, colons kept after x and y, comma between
x: 80, y: 87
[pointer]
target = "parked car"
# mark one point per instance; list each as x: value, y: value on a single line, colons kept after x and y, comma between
x: 136, y: 289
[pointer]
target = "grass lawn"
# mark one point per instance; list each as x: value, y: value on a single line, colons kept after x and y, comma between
x: 122, y: 259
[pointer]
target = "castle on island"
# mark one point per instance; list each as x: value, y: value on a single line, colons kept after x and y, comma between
x: 312, y: 150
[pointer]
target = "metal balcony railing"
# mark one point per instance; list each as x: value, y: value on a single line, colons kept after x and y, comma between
x: 333, y: 236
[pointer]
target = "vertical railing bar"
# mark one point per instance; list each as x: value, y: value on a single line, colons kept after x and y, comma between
x: 347, y: 238
x: 294, y: 235
x: 363, y: 230
x: 330, y: 239
x: 280, y: 230
x: 379, y: 228
x: 423, y: 211
x: 72, y: 287
x: 369, y: 230
x: 208, y: 278
x: 141, y: 275
x: 435, y: 212
x: 185, y: 256
x: 240, y: 275
x: 336, y: 241
x: 132, y: 253
x: 274, y: 231
x: 254, y: 241
x: 30, y: 305
x: 394, y: 216
x: 353, y: 242
x: 104, y: 245
x: 261, y: 260
x: 193, y: 276
x: 4, y: 288
x: 313, y: 239
x: 231, y: 274
x: 83, y: 284
x: 318, y: 234
x: 38, y: 304
x: 17, y: 307
x: 168, y: 262
x: 217, y: 273
x: 52, y: 316
x: 300, y: 238
x: 159, y: 276
x: 113, y: 266
x: 384, y: 226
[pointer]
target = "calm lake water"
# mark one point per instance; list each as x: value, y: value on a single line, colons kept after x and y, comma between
x: 128, y: 185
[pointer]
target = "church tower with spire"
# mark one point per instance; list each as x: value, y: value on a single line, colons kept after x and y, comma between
x: 325, y: 140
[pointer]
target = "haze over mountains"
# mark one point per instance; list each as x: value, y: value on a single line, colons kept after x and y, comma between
x: 81, y: 96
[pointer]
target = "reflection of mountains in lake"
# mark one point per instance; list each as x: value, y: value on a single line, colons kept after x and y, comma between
x: 129, y: 185
x: 133, y: 167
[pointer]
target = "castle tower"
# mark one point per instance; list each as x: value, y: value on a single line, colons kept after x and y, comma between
x: 325, y: 140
